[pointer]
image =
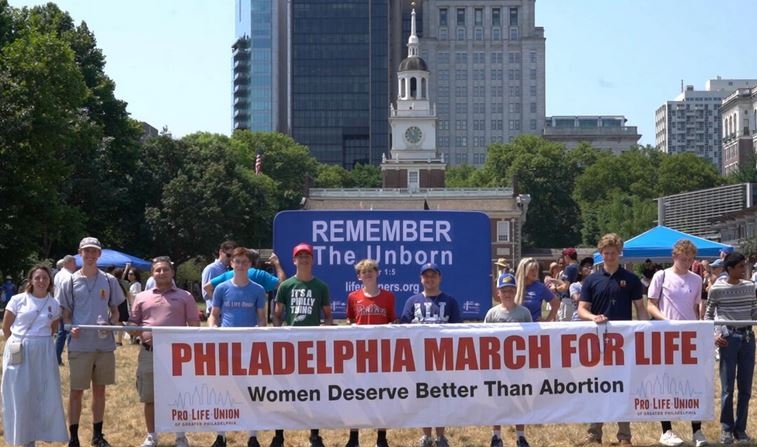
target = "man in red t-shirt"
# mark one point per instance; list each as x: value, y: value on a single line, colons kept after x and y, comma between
x: 370, y: 305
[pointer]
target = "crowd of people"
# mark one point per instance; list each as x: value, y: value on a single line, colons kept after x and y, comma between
x: 236, y: 297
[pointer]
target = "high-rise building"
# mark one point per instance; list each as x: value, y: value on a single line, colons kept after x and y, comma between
x: 339, y: 79
x: 739, y: 122
x: 691, y: 122
x: 488, y: 73
x: 259, y: 66
x: 602, y: 132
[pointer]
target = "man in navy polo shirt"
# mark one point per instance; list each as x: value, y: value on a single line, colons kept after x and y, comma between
x: 607, y: 295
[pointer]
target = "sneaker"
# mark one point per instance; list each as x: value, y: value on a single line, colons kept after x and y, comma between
x: 219, y: 442
x: 182, y: 441
x: 352, y: 443
x: 521, y: 442
x: 426, y: 441
x: 589, y: 440
x: 316, y: 441
x: 253, y: 442
x: 699, y: 439
x: 73, y: 443
x: 496, y: 442
x: 382, y: 443
x: 670, y: 439
x: 149, y: 442
x: 441, y: 441
x: 741, y: 437
x: 726, y: 437
x: 277, y: 442
x: 99, y: 441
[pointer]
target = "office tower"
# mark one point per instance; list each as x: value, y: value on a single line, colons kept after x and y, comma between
x: 339, y: 100
x: 487, y: 73
x: 259, y: 66
x: 691, y: 122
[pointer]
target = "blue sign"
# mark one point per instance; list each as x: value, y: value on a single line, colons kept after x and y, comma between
x: 458, y: 242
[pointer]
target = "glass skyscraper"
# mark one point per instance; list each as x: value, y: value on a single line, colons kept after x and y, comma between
x: 340, y: 79
x: 259, y: 57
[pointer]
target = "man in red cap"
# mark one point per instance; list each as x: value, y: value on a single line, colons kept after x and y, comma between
x: 303, y: 296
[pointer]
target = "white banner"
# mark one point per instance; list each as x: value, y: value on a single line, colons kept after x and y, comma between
x: 401, y: 375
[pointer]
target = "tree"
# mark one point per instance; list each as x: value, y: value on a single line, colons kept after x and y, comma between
x: 286, y: 162
x: 101, y: 154
x: 617, y: 193
x: 685, y: 172
x: 366, y: 176
x: 544, y: 171
x: 460, y: 176
x: 41, y: 94
x: 332, y: 176
x: 214, y: 196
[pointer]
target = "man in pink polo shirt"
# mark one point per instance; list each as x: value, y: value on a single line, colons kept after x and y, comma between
x: 164, y: 305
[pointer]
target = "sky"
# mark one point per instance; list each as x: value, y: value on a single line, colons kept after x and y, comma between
x: 171, y: 59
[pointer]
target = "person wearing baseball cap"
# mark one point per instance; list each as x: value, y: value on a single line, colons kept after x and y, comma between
x: 431, y: 306
x: 91, y: 354
x: 302, y: 312
x: 508, y: 311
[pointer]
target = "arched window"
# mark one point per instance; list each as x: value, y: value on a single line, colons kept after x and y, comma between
x: 413, y: 87
x: 402, y: 88
x: 423, y: 88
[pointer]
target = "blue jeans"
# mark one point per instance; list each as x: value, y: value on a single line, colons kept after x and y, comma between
x: 736, y: 363
x: 60, y: 341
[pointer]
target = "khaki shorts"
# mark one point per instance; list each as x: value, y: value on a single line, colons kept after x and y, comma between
x: 145, y: 387
x: 98, y: 368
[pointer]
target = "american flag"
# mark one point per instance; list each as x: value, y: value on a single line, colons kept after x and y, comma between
x: 258, y: 164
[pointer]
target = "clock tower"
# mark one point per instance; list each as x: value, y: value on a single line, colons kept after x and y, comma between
x: 414, y: 161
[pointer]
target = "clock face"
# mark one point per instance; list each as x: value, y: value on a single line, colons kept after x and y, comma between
x: 413, y: 134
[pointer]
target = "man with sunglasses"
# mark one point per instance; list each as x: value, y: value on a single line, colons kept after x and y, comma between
x: 215, y: 268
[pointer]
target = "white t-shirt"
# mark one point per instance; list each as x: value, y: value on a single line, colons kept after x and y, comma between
x: 678, y: 295
x: 26, y: 307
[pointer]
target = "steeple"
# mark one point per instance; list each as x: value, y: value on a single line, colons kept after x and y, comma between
x: 412, y: 41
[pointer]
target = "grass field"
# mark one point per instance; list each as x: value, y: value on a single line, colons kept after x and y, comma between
x: 124, y: 423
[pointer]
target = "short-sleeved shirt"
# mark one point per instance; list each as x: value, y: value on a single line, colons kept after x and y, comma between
x: 500, y: 314
x: 612, y: 295
x: 570, y: 274
x: 265, y: 279
x: 533, y: 296
x: 89, y: 299
x: 303, y: 300
x: 171, y: 307
x: 33, y: 315
x: 676, y: 295
x: 239, y: 305
x: 441, y: 308
x: 379, y: 309
x: 211, y: 271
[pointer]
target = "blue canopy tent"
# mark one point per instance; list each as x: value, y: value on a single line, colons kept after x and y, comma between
x: 116, y: 258
x: 657, y: 244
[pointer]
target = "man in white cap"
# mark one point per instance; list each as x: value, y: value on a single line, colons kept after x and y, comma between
x: 90, y: 297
